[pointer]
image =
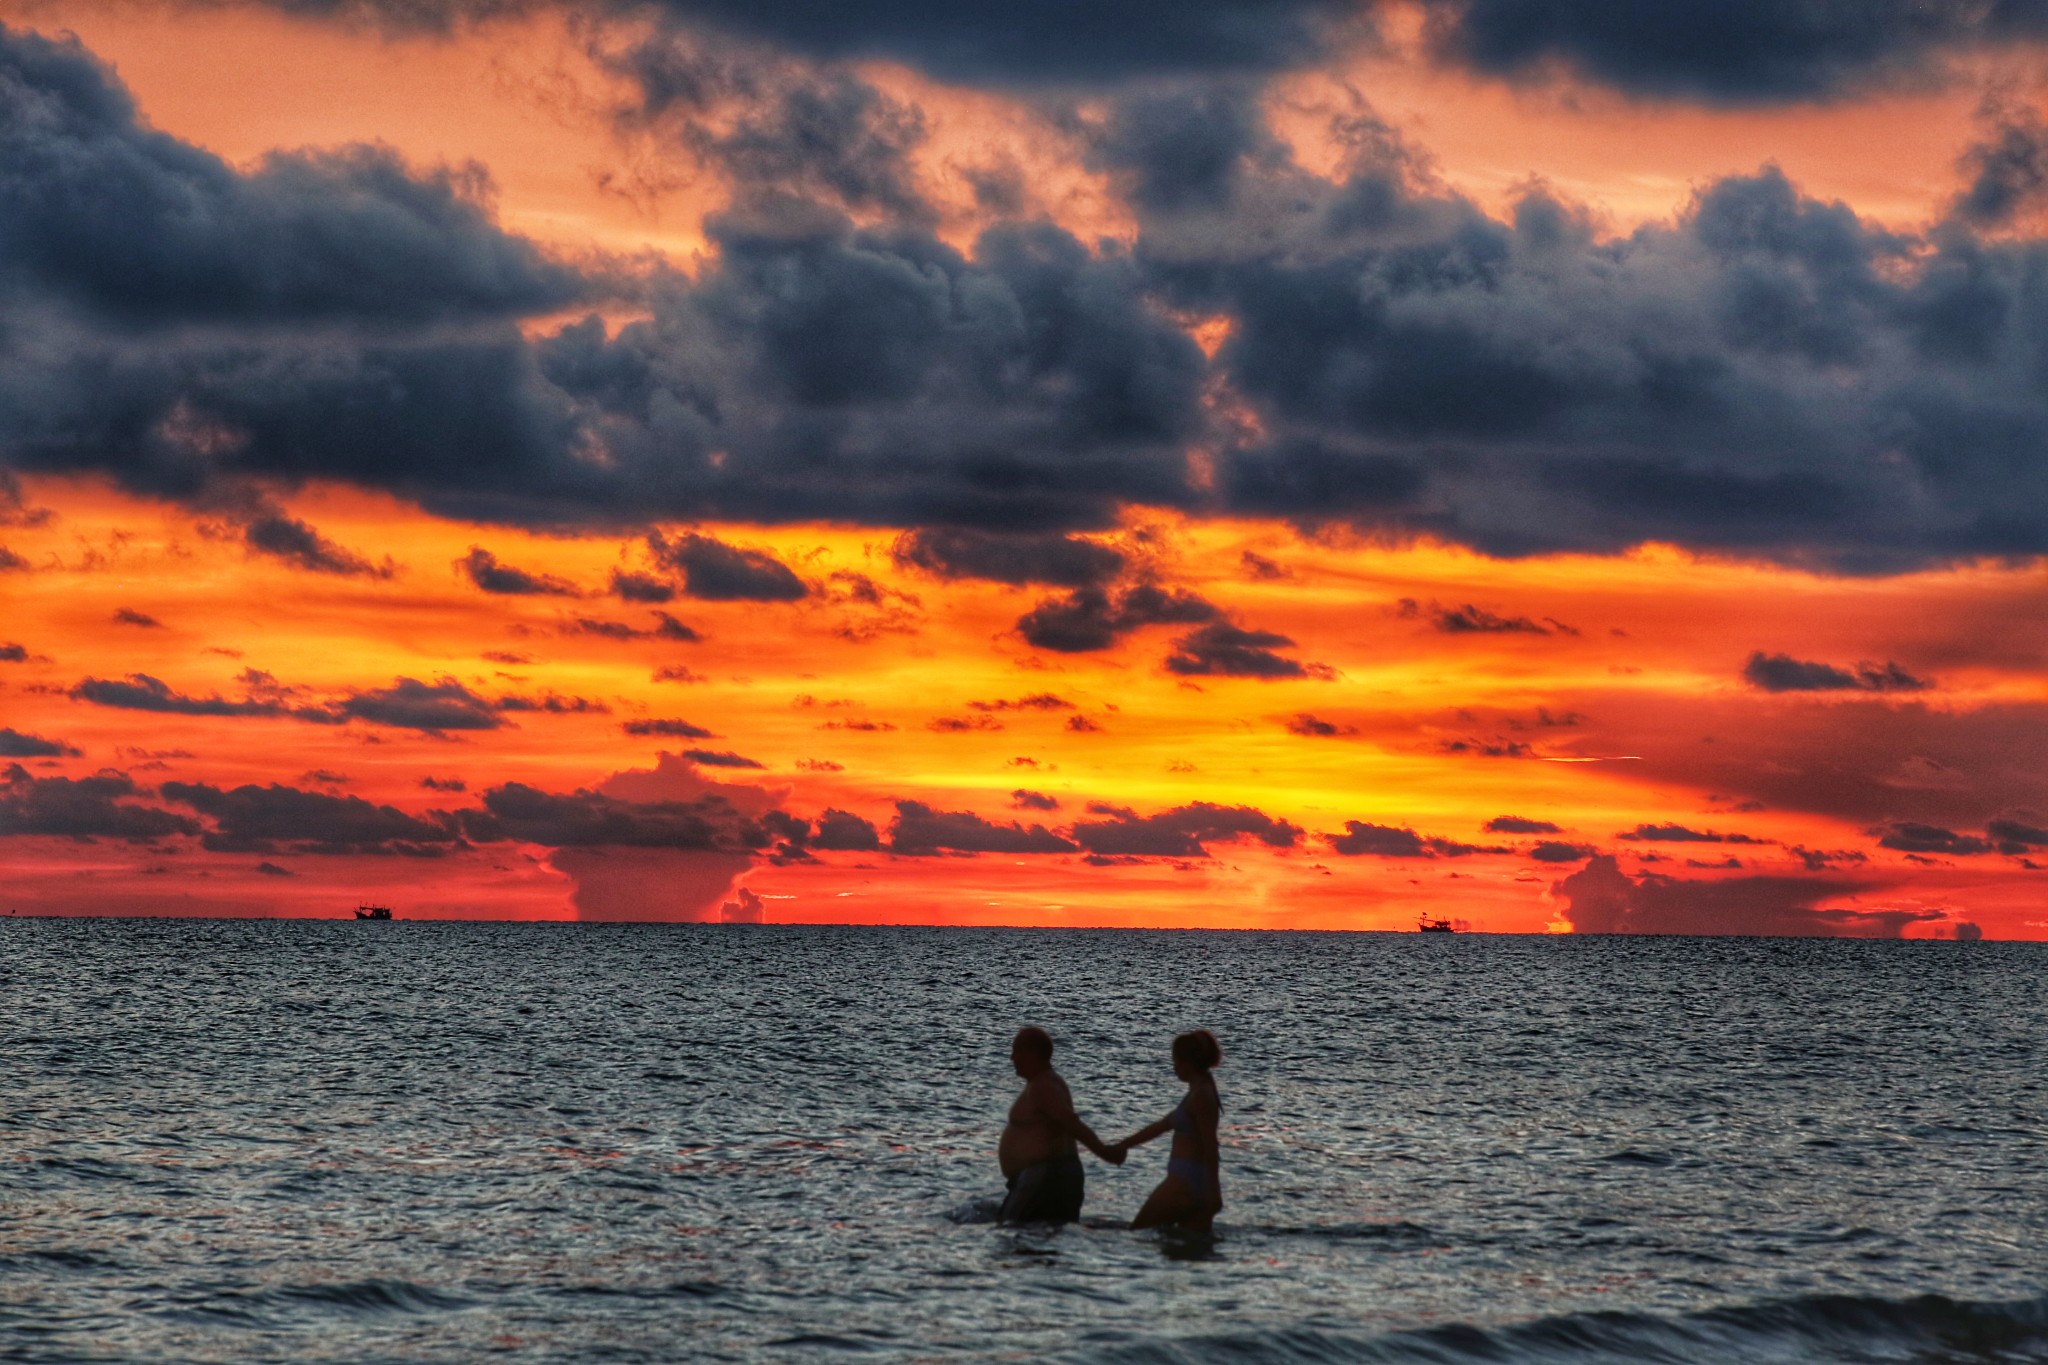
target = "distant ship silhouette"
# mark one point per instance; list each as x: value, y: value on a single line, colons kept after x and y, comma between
x: 1426, y: 925
x: 373, y: 912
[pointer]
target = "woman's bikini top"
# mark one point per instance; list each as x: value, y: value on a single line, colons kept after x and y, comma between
x: 1183, y: 1121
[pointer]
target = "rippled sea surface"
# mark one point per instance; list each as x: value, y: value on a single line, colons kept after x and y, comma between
x: 227, y: 1141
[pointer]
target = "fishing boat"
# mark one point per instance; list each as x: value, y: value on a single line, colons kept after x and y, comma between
x: 373, y: 912
x: 1426, y: 925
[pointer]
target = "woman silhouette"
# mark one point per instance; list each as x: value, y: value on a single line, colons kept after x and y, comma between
x: 1192, y: 1192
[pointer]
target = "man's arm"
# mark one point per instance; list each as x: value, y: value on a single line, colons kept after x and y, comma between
x: 1057, y: 1105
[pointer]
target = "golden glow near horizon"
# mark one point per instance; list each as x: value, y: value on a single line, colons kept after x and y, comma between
x: 897, y: 686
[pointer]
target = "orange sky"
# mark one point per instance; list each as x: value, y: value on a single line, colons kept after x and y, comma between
x: 1618, y: 703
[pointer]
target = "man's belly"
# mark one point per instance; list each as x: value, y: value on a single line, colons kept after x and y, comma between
x: 1023, y: 1146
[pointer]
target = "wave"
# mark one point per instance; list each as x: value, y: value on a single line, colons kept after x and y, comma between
x: 1820, y: 1330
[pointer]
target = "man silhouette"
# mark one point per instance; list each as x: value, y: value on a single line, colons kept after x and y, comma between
x: 1037, y: 1148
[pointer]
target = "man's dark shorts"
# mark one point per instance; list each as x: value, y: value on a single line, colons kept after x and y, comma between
x: 1049, y: 1192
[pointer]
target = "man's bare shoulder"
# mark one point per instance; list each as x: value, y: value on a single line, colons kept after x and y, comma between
x: 1048, y: 1089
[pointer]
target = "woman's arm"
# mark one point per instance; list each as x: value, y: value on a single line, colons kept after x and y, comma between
x: 1147, y: 1133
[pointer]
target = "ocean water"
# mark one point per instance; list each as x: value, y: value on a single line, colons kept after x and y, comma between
x: 246, y: 1141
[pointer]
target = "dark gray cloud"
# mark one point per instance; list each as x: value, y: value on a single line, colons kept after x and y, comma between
x: 1223, y: 650
x: 1054, y: 560
x: 1557, y: 851
x: 718, y: 572
x: 253, y: 819
x: 12, y: 653
x: 1181, y: 832
x: 582, y: 819
x: 1312, y: 727
x: 482, y: 568
x: 2014, y: 836
x: 82, y: 808
x: 1728, y: 51
x: 1025, y: 799
x: 1767, y: 375
x: 918, y: 830
x: 16, y: 744
x: 1783, y: 673
x: 118, y: 221
x: 128, y: 616
x: 1601, y: 899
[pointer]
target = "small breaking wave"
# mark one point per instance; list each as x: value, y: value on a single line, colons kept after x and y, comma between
x: 1820, y: 1330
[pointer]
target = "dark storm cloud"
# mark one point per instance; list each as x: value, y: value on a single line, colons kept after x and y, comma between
x: 1601, y: 899
x: 1181, y: 832
x: 1728, y: 51
x: 16, y: 744
x: 1515, y: 824
x: 110, y: 217
x: 1057, y: 561
x: 1222, y: 650
x: 81, y: 808
x: 2008, y: 170
x: 920, y: 831
x: 1055, y: 41
x: 1766, y: 375
x: 1783, y: 673
x: 1909, y: 836
x: 482, y: 568
x: 252, y: 819
x: 718, y: 572
x: 583, y: 818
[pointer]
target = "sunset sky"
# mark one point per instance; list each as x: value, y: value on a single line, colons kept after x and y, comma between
x: 1551, y: 464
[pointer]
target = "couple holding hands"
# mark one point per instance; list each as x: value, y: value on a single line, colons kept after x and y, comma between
x: 1038, y: 1145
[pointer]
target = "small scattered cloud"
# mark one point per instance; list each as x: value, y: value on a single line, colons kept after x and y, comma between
x: 714, y: 571
x: 1223, y: 650
x: 1783, y: 673
x: 128, y: 616
x: 640, y: 587
x: 959, y: 724
x: 444, y: 784
x: 1908, y: 836
x: 1025, y: 799
x: 718, y: 758
x: 1474, y: 620
x: 921, y: 831
x: 17, y: 744
x: 1515, y: 824
x: 1037, y: 701
x: 484, y: 569
x: 1182, y: 832
x: 1680, y: 834
x: 669, y: 727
